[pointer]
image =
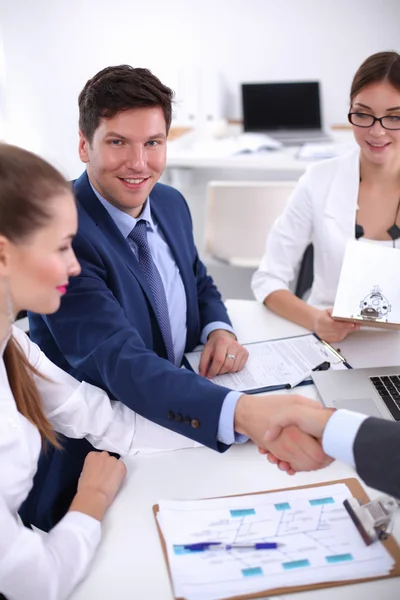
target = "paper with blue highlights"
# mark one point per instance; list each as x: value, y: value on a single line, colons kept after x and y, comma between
x: 242, y: 512
x: 321, y: 542
x: 296, y: 564
x: 319, y: 501
x: 338, y: 558
x: 252, y: 572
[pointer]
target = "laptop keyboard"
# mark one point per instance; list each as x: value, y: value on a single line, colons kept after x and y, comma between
x: 388, y: 387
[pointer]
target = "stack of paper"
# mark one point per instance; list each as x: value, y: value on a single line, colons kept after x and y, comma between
x: 318, y: 542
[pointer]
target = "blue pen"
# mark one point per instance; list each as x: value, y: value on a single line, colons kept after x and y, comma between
x: 202, y: 546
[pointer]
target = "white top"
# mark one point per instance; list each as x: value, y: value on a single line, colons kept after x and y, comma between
x: 384, y: 243
x: 340, y: 434
x: 322, y: 210
x: 48, y: 567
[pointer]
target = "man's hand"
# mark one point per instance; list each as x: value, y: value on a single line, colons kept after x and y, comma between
x: 330, y: 330
x: 310, y: 419
x: 297, y: 450
x: 222, y: 354
x: 301, y: 451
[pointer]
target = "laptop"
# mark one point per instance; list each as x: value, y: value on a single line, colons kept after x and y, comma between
x: 373, y: 391
x: 288, y: 112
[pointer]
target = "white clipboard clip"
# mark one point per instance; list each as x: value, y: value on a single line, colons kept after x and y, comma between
x: 373, y: 519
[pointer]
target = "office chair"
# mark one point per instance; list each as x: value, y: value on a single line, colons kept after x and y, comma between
x: 239, y: 215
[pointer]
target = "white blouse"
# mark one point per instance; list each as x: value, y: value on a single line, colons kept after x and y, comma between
x: 321, y: 210
x: 48, y: 567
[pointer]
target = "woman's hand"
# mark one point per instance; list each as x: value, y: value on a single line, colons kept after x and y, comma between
x: 102, y: 476
x: 330, y: 330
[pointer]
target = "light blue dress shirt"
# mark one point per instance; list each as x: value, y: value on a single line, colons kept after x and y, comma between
x: 340, y: 434
x: 176, y: 297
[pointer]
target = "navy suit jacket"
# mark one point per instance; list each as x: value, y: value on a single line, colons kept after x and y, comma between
x: 377, y: 454
x: 106, y: 332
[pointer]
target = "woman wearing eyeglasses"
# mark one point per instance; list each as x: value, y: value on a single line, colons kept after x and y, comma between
x: 353, y: 196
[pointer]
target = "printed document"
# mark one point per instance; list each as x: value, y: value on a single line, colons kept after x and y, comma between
x: 283, y: 362
x: 318, y: 542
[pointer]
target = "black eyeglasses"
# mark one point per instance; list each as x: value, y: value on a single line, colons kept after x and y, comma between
x: 363, y: 120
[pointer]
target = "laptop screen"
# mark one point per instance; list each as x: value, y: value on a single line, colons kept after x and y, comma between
x: 278, y: 106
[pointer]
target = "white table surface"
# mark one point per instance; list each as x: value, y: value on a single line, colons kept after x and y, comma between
x: 183, y: 153
x: 368, y: 347
x: 129, y: 564
x: 284, y: 159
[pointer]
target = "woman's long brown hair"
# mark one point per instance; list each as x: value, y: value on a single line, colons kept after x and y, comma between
x: 27, y: 185
x: 382, y: 66
x: 20, y: 376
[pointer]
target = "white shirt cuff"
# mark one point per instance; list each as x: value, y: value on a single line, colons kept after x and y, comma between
x: 340, y: 434
x: 86, y: 523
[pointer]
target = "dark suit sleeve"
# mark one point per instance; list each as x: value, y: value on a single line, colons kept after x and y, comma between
x: 377, y: 454
x: 93, y: 335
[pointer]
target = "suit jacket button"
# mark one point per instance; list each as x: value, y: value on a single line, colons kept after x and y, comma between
x: 195, y: 423
x: 179, y: 418
x: 187, y: 420
x: 171, y: 415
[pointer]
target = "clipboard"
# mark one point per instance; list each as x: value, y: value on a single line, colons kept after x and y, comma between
x: 357, y: 491
x: 367, y: 293
x: 367, y: 323
x: 274, y: 388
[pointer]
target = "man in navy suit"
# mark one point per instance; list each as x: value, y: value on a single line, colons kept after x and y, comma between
x: 143, y: 297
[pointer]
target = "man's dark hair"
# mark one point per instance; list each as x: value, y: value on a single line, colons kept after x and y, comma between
x: 115, y: 89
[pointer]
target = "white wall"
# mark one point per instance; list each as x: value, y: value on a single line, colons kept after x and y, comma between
x: 52, y: 47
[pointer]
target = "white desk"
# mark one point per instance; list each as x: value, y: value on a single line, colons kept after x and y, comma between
x: 190, y: 174
x: 190, y: 171
x: 130, y: 565
x: 277, y: 162
x: 368, y: 347
x: 196, y: 152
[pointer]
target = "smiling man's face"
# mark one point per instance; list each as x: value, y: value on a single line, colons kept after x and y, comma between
x: 127, y: 156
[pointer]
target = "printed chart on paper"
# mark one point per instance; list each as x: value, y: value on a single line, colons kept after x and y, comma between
x: 317, y: 542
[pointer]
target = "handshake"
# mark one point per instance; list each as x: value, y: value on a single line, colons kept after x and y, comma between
x: 288, y: 429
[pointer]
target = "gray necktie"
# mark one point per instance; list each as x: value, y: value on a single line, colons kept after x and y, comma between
x: 139, y: 236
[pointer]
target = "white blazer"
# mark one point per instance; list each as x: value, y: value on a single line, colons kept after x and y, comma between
x: 322, y: 210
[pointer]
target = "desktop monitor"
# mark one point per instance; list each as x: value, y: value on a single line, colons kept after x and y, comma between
x: 281, y: 106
